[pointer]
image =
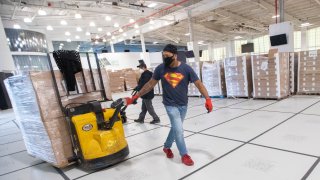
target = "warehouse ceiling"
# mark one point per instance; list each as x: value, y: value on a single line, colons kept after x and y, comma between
x: 245, y: 18
x: 232, y: 18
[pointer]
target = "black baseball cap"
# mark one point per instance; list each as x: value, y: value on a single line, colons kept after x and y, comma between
x: 141, y: 63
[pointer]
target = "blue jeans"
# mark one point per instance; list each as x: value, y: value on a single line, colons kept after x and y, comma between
x: 176, y: 115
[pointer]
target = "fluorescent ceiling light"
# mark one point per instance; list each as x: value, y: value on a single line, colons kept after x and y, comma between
x: 16, y: 26
x: 97, y: 37
x: 131, y: 20
x: 99, y: 29
x: 68, y: 40
x: 137, y: 31
x: 108, y: 18
x: 49, y: 28
x: 67, y: 33
x: 116, y: 25
x: 152, y: 5
x: 87, y: 33
x: 150, y: 27
x: 124, y: 34
x: 92, y: 24
x: 77, y: 16
x: 61, y: 44
x: 155, y: 42
x: 200, y: 42
x: 113, y: 37
x: 79, y: 29
x: 151, y: 21
x: 108, y: 33
x: 96, y: 42
x: 306, y: 24
x: 120, y: 40
x: 27, y: 20
x: 276, y: 16
x: 120, y: 30
x: 63, y: 22
x: 237, y: 37
x: 42, y: 12
x: 104, y: 40
x: 77, y: 37
x: 187, y: 34
x: 136, y: 26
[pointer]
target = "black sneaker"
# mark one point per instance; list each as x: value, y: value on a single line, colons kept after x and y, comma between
x: 154, y: 121
x: 139, y: 121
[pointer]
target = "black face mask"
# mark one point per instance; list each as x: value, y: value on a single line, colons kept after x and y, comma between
x: 167, y: 61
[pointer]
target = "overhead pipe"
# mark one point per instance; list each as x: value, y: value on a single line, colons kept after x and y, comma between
x: 281, y: 3
x: 151, y: 15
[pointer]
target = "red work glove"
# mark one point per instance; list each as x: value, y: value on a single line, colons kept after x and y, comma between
x: 132, y: 100
x: 208, y: 105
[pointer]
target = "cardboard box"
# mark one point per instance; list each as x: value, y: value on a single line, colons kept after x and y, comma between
x: 308, y: 72
x: 271, y: 75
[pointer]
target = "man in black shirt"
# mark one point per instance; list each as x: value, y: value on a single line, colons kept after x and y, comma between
x: 147, y: 98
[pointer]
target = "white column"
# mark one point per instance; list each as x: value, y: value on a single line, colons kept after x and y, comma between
x: 6, y: 60
x: 210, y: 51
x: 304, y: 39
x: 112, y: 47
x: 193, y: 44
x: 230, y: 49
x: 145, y: 57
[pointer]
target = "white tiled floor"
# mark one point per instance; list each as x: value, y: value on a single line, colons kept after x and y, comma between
x: 242, y: 139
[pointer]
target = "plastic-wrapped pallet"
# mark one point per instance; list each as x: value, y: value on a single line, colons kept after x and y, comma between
x: 40, y: 119
x: 192, y: 89
x: 238, y: 76
x: 293, y: 66
x: 213, y: 78
x: 271, y: 76
x: 309, y: 72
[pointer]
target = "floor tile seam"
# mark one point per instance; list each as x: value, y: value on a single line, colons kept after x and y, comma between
x: 311, y: 169
x: 61, y: 173
x: 11, y: 142
x: 12, y: 153
x: 22, y: 168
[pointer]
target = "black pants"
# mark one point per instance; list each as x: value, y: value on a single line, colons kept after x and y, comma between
x: 147, y: 106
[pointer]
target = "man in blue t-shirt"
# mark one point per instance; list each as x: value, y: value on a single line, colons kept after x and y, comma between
x: 175, y: 77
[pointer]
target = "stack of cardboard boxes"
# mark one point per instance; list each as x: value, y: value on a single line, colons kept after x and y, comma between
x: 293, y: 67
x: 116, y: 81
x: 271, y: 75
x: 41, y: 121
x: 213, y: 78
x: 192, y: 89
x: 130, y: 79
x: 309, y: 72
x: 85, y: 82
x: 238, y: 76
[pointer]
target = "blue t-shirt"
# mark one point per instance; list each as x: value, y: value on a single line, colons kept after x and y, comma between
x: 175, y: 83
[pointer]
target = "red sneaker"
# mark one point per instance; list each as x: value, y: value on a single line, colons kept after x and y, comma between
x: 168, y: 152
x: 186, y: 159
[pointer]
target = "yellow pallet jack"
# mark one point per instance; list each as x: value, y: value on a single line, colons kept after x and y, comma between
x: 97, y: 132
